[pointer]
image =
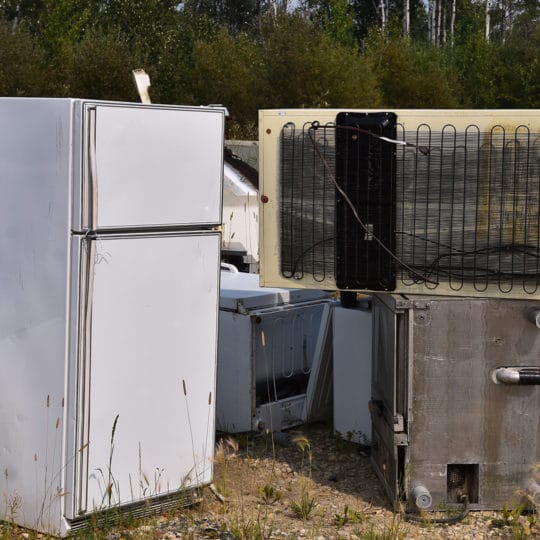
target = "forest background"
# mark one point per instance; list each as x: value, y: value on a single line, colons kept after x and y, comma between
x: 254, y: 54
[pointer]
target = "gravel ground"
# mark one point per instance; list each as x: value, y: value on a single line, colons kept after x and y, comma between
x: 261, y: 479
x: 258, y: 481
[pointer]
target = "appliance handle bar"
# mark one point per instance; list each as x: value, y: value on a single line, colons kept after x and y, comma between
x: 517, y: 375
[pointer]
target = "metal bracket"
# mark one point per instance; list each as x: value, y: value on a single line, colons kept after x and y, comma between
x: 401, y: 439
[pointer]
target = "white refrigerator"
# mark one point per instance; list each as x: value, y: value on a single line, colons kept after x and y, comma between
x: 109, y: 284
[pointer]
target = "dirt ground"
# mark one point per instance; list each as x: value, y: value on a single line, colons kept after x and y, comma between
x: 311, y: 484
x: 306, y: 483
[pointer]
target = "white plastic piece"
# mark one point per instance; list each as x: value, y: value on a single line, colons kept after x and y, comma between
x: 142, y: 81
x: 421, y: 497
x: 229, y: 267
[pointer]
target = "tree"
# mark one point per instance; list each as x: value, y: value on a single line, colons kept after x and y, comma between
x: 100, y: 65
x: 304, y: 67
x: 235, y: 82
x: 236, y: 15
x: 333, y: 17
x: 23, y: 69
x: 410, y: 76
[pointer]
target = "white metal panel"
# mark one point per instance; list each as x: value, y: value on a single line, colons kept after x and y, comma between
x: 235, y: 399
x: 35, y: 139
x: 241, y: 223
x: 352, y: 373
x: 241, y: 290
x: 154, y: 166
x: 153, y: 329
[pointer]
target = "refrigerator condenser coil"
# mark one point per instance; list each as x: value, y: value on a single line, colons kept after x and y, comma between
x: 366, y: 203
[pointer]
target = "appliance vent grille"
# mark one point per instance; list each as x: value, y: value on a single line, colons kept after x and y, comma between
x: 463, y: 207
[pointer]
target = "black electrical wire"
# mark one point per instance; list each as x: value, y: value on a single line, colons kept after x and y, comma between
x: 464, y: 499
x: 332, y: 177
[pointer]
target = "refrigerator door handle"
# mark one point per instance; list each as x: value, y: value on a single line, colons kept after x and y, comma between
x: 83, y: 375
x: 90, y: 173
x: 517, y: 375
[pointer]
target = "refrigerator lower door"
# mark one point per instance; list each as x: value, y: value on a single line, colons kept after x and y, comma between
x: 146, y: 368
x: 151, y: 166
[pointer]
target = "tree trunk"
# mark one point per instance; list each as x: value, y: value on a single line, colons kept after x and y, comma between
x: 434, y: 21
x: 406, y: 17
x: 439, y: 17
x: 383, y: 15
x: 443, y: 29
x: 430, y: 20
x: 452, y: 22
x: 278, y: 6
x: 487, y: 21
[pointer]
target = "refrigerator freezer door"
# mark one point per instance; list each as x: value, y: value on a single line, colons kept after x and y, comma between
x: 152, y: 167
x: 147, y: 364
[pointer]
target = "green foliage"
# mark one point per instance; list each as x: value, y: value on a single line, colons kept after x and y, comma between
x: 237, y: 16
x: 99, y: 67
x: 269, y: 494
x: 326, y: 53
x: 227, y: 70
x: 516, y: 72
x: 171, y: 74
x: 473, y: 61
x: 61, y: 23
x: 23, y: 70
x: 304, y: 506
x: 411, y: 76
x: 335, y: 18
x: 349, y: 516
x: 304, y: 67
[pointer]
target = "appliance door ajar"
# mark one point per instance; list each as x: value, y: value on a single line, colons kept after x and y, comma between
x: 389, y: 384
x: 146, y: 363
x: 151, y: 167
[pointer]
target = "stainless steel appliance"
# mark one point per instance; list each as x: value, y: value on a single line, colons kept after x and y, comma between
x: 456, y: 400
x: 109, y: 272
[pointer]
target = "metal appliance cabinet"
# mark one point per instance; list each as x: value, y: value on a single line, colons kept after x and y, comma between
x: 109, y: 280
x: 269, y: 382
x: 455, y: 400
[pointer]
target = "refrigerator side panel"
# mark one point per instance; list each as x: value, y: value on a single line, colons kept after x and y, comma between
x: 148, y: 417
x: 35, y: 141
x: 152, y: 166
x: 234, y: 393
x: 352, y: 373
